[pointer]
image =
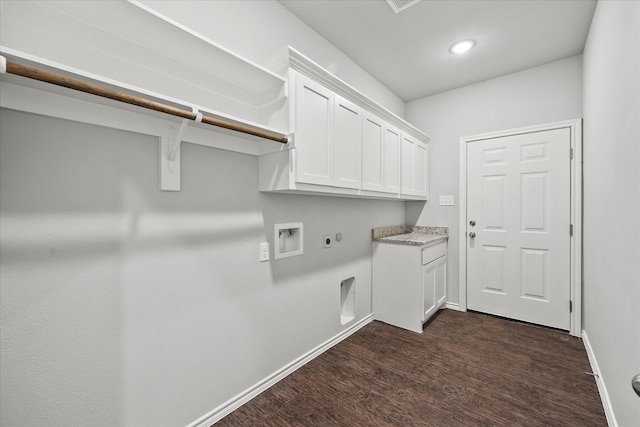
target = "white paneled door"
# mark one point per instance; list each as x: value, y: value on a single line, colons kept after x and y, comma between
x: 518, y: 227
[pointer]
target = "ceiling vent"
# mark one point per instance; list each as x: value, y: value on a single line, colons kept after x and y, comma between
x: 400, y: 5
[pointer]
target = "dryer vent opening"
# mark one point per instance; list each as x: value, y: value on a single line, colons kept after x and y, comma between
x: 347, y: 300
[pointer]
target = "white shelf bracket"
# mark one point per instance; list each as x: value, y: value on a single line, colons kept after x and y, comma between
x: 175, y: 139
x: 170, y: 154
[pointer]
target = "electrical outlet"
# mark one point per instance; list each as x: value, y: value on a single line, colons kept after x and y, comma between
x: 327, y: 240
x: 264, y: 251
x: 446, y: 200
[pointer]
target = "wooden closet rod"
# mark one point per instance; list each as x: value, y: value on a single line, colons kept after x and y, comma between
x: 56, y: 79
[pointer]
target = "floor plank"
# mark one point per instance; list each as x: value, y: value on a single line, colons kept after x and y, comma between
x: 465, y: 369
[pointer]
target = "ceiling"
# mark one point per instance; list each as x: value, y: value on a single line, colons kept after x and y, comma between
x: 409, y: 52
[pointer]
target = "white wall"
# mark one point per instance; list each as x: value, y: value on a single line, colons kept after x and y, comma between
x: 543, y: 94
x: 612, y: 200
x: 124, y: 305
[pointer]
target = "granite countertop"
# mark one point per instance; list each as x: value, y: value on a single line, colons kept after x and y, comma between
x: 410, y: 235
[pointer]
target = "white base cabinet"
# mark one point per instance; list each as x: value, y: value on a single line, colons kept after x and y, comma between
x: 409, y: 283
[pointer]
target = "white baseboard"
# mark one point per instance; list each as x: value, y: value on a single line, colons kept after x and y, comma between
x: 234, y: 403
x: 602, y: 388
x: 453, y: 306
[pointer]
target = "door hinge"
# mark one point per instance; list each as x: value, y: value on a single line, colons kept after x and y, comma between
x: 570, y: 229
x: 570, y: 306
x: 571, y: 153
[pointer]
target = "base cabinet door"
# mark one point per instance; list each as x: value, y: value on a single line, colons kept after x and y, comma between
x: 428, y: 290
x: 441, y: 282
x: 434, y: 282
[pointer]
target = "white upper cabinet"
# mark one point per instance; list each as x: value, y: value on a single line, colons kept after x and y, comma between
x: 407, y: 165
x: 420, y: 171
x: 347, y: 147
x: 413, y: 167
x: 372, y: 153
x: 391, y: 155
x: 343, y: 144
x: 380, y: 155
x: 313, y: 128
x: 327, y: 131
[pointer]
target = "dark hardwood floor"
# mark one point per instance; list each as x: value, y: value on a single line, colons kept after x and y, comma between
x: 466, y: 369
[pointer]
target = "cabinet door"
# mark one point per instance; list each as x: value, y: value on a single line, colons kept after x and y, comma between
x: 373, y: 166
x: 429, y: 273
x: 441, y: 281
x: 391, y: 160
x: 313, y: 124
x: 420, y: 162
x: 414, y: 163
x: 407, y: 164
x: 347, y: 143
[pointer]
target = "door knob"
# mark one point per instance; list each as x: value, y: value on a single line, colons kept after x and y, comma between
x: 635, y: 383
x: 472, y: 223
x: 472, y: 235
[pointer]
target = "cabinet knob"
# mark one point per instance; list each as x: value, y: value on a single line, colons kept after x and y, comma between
x: 635, y: 383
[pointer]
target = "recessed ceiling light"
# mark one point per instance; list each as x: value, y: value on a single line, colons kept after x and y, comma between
x: 462, y: 46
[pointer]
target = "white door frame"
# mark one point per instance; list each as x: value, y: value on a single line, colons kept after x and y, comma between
x: 575, y: 127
